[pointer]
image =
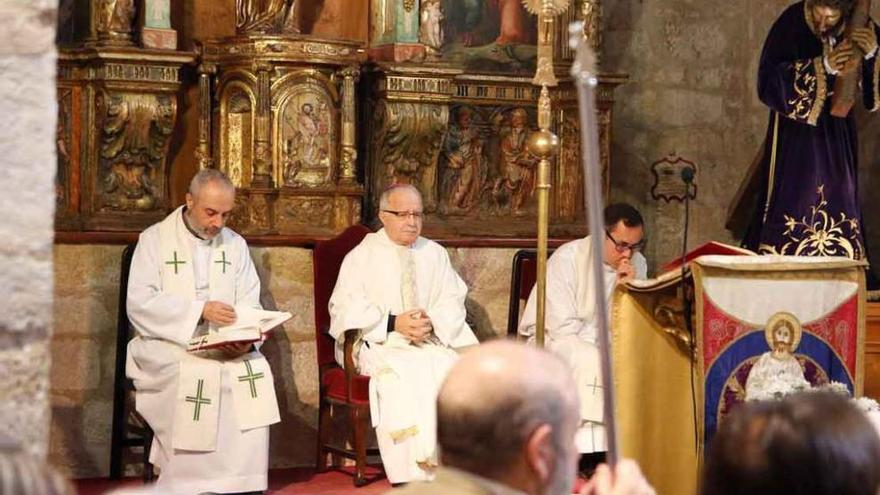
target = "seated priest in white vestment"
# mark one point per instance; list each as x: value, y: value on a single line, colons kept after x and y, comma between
x: 570, y: 326
x: 211, y: 411
x: 401, y: 292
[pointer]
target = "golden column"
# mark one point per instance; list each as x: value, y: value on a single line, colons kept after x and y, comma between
x: 544, y: 143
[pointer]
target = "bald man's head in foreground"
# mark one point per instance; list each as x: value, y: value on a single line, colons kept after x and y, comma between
x: 509, y: 412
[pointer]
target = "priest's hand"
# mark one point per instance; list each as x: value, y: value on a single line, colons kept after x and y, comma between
x: 865, y: 38
x: 232, y: 351
x: 839, y: 58
x: 414, y: 325
x: 625, y: 271
x: 627, y: 480
x: 218, y: 313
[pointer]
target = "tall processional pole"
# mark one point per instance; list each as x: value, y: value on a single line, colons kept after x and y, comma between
x: 543, y: 143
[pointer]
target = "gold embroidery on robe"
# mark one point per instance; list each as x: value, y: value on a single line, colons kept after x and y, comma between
x: 400, y: 435
x: 820, y: 235
x: 810, y: 91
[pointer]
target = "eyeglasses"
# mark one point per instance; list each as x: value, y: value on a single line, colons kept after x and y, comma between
x: 623, y: 246
x: 416, y: 215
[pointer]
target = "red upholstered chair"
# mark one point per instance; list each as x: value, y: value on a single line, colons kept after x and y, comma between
x: 338, y: 387
x: 523, y: 274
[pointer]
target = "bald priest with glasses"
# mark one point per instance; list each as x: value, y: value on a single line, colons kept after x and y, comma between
x: 570, y: 312
x: 400, y: 290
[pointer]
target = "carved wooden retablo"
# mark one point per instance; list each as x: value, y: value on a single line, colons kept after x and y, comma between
x: 461, y: 139
x: 282, y: 111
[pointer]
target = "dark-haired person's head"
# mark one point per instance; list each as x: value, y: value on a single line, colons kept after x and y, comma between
x: 807, y: 444
x: 508, y: 412
x: 830, y: 15
x: 624, y: 233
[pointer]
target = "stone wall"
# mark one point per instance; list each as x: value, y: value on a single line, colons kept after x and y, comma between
x: 692, y: 90
x: 83, y: 347
x: 27, y: 206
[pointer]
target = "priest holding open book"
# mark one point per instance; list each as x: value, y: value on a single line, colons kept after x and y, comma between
x: 210, y: 410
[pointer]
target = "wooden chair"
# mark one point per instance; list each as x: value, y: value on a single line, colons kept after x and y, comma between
x: 522, y: 279
x: 339, y: 387
x: 130, y: 430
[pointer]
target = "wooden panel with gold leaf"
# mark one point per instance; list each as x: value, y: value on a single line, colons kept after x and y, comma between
x: 282, y: 111
x: 461, y: 140
x: 117, y: 113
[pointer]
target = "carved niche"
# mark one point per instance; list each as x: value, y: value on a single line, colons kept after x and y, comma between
x: 278, y: 116
x: 461, y: 140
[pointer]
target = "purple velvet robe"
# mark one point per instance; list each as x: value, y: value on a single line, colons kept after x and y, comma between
x: 808, y: 203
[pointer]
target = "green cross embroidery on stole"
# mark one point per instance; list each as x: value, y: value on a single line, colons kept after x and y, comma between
x: 198, y: 400
x: 175, y: 262
x: 251, y: 377
x: 223, y: 261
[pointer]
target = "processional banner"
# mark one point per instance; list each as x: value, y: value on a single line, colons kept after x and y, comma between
x: 766, y: 323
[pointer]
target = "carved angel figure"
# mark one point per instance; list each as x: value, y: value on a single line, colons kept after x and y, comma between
x: 114, y: 18
x: 430, y: 27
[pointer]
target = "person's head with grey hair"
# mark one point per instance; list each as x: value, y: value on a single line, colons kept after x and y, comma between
x: 21, y: 473
x: 401, y: 214
x: 508, y: 412
x: 209, y: 202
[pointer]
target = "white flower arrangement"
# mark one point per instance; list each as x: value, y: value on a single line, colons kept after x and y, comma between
x: 782, y: 385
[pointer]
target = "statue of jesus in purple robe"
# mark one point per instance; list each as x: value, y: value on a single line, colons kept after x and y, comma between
x: 808, y: 203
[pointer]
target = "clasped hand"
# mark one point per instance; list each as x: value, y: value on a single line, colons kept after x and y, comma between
x: 414, y: 324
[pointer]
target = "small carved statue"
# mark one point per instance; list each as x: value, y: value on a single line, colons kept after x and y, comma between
x: 430, y: 27
x: 114, y: 19
x: 464, y: 157
x: 591, y: 13
x: 517, y: 165
x: 266, y: 16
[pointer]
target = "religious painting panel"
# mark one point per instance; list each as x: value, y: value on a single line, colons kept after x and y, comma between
x: 767, y: 328
x: 305, y: 134
x: 489, y: 35
x: 134, y: 139
x: 236, y: 131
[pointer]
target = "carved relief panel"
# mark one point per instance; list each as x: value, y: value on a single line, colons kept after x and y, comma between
x: 117, y: 113
x: 135, y: 128
x: 461, y: 140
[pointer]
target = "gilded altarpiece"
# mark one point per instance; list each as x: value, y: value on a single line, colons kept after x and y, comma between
x: 455, y: 121
x: 461, y: 139
x: 278, y: 116
x: 117, y: 111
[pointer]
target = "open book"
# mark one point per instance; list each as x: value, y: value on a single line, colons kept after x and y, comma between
x: 251, y: 325
x: 708, y: 248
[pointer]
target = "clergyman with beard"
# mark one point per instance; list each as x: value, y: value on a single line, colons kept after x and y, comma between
x: 189, y: 273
